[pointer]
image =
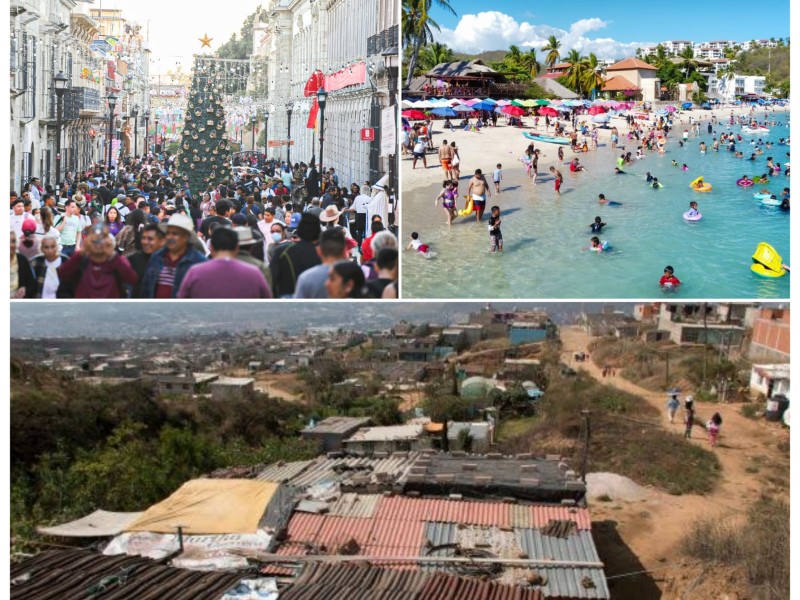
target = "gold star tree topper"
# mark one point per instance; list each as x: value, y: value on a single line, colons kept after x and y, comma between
x: 205, y: 40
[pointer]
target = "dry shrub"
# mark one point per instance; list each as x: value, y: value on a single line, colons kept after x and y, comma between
x: 760, y: 547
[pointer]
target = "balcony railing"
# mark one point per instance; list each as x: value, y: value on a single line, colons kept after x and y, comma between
x: 76, y: 101
x: 388, y: 38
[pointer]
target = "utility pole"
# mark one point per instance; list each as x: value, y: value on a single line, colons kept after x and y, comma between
x: 586, y: 435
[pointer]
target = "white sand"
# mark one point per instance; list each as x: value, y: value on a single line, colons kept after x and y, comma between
x: 491, y: 145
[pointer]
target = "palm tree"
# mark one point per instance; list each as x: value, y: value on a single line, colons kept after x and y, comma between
x: 434, y: 54
x: 576, y: 72
x: 417, y: 27
x: 551, y: 47
x: 592, y: 78
x: 689, y: 61
x: 513, y: 55
x: 531, y: 64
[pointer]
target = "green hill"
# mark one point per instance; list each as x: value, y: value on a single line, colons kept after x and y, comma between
x: 761, y: 61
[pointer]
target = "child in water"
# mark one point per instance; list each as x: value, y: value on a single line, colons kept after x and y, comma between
x: 417, y: 245
x: 601, y: 199
x: 597, y: 226
x: 693, y: 212
x: 656, y: 185
x: 684, y: 167
x: 595, y: 245
x: 668, y: 279
x: 495, y: 235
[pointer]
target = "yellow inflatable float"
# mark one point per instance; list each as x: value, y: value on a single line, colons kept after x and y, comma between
x: 468, y: 209
x: 698, y: 185
x: 767, y: 262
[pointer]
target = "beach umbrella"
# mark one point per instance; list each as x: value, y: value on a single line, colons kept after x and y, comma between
x: 601, y: 119
x: 670, y: 108
x: 517, y: 102
x: 661, y: 112
x: 563, y: 108
x: 490, y: 101
x: 542, y: 102
x: 423, y: 104
x: 483, y: 106
x: 503, y: 102
x: 547, y: 111
x: 514, y: 111
x: 529, y: 103
x: 462, y: 108
x: 444, y: 111
x: 475, y: 100
x: 414, y: 114
x: 686, y: 105
x: 406, y: 104
x: 596, y: 110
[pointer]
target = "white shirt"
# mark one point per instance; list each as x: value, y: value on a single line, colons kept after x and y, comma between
x: 16, y: 223
x: 50, y: 285
x: 360, y: 203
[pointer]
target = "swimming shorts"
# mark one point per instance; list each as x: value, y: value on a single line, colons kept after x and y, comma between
x: 423, y: 248
x: 419, y: 155
x: 479, y: 202
x: 558, y: 184
x: 446, y: 164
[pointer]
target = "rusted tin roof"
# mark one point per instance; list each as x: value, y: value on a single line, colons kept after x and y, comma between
x: 361, y: 582
x: 79, y: 574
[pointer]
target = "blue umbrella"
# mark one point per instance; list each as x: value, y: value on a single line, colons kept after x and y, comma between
x: 686, y: 105
x: 444, y: 111
x: 483, y: 105
x: 462, y: 108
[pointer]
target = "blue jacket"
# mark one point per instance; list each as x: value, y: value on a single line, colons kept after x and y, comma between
x: 156, y: 263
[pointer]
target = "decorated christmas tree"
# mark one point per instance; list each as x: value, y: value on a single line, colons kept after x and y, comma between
x: 203, y: 154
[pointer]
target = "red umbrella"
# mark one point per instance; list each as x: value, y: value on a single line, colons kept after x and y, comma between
x: 547, y: 111
x: 514, y: 111
x: 596, y: 110
x: 414, y: 114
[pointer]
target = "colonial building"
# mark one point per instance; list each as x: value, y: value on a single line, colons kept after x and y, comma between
x: 347, y: 44
x: 634, y: 77
x: 49, y: 37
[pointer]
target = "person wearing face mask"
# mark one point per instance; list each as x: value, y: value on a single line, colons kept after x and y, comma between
x: 277, y: 236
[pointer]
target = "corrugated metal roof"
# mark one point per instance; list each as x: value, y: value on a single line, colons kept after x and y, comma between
x: 283, y: 472
x: 359, y: 582
x: 387, y: 433
x: 355, y: 505
x: 336, y: 425
x: 539, y: 515
x: 75, y: 574
x: 579, y: 547
x: 395, y: 467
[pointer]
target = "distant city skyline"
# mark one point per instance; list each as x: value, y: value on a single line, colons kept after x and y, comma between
x: 159, y: 319
x: 605, y: 30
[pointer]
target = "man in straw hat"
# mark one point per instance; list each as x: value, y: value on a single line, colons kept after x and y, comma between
x: 168, y: 266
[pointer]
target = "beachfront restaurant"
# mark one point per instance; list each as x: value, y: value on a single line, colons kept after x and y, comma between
x: 462, y: 79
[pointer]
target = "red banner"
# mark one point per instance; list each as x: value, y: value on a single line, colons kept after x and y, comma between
x: 312, y: 114
x: 353, y: 75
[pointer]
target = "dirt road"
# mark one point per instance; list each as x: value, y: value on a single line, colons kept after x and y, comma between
x: 653, y: 527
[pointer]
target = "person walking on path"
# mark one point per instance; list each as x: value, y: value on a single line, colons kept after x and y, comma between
x: 712, y: 427
x: 689, y: 421
x: 672, y: 407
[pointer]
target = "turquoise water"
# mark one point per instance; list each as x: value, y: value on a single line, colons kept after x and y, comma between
x: 544, y: 235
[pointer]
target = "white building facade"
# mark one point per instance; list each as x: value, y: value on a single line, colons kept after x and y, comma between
x: 59, y: 36
x: 345, y: 40
x: 729, y: 87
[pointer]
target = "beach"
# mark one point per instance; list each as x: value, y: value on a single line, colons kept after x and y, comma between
x: 555, y: 229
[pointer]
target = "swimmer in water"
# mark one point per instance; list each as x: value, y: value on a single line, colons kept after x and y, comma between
x: 693, y: 212
x: 618, y: 171
x: 669, y: 280
x: 601, y: 199
x: 684, y: 167
x: 595, y: 245
x: 597, y: 226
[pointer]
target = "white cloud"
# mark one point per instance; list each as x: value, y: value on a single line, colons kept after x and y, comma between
x: 494, y: 30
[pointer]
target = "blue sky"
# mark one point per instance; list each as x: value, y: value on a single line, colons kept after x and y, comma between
x: 607, y: 28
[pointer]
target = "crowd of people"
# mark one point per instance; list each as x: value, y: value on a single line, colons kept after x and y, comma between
x: 272, y: 231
